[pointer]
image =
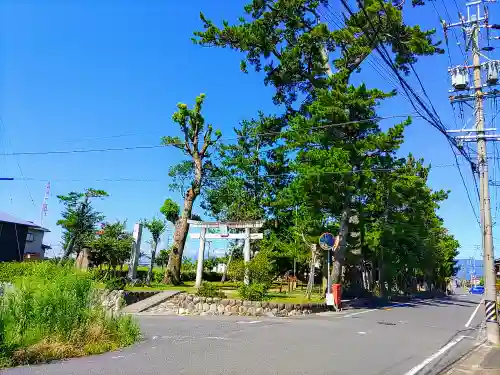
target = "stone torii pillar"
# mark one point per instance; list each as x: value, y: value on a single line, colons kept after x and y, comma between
x: 247, y: 236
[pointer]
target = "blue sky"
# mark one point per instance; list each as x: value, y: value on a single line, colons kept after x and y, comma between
x: 94, y: 74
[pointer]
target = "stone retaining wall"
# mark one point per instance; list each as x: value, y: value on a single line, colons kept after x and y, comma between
x: 114, y: 300
x: 188, y: 304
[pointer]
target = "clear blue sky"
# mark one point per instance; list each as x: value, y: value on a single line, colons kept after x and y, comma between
x: 81, y: 75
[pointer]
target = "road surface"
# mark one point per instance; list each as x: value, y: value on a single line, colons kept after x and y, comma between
x: 418, y: 338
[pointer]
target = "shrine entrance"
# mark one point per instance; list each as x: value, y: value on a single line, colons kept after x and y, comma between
x: 223, y: 235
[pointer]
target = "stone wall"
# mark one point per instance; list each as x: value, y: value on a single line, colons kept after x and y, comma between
x: 188, y: 304
x: 112, y: 300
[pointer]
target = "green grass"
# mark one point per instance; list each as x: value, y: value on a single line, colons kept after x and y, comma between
x: 230, y: 289
x: 53, y: 314
x: 295, y: 297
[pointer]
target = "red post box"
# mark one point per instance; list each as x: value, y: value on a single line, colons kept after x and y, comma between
x: 337, y: 295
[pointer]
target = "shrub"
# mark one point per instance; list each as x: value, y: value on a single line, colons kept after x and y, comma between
x: 117, y: 283
x: 209, y: 290
x: 254, y: 291
x: 52, y: 313
x: 188, y: 275
x: 158, y: 276
x: 260, y: 269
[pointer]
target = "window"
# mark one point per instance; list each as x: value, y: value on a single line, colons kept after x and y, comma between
x: 30, y: 237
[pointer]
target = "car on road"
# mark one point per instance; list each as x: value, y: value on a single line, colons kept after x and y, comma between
x: 476, y: 289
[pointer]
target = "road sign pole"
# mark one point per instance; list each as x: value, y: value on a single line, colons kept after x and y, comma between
x: 329, y: 278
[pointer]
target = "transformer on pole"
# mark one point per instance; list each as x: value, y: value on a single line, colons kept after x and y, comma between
x: 481, y: 69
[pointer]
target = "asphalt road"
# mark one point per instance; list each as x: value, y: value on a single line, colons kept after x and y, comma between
x: 417, y: 338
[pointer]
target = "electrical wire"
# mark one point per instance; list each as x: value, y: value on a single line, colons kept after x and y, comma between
x: 373, y: 60
x: 135, y: 179
x: 147, y: 147
x: 433, y: 117
x: 2, y: 124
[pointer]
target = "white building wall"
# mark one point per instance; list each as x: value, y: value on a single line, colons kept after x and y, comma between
x: 34, y: 246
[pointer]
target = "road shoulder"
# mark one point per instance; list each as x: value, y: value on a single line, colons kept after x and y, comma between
x: 483, y: 359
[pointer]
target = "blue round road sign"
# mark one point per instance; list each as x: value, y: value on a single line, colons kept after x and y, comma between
x: 326, y: 241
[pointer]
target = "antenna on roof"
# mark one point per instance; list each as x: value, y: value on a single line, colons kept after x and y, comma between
x: 44, y: 204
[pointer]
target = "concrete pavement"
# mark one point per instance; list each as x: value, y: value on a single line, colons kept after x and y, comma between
x: 421, y: 337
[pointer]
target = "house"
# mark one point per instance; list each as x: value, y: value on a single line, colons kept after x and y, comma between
x: 20, y: 239
x: 34, y: 248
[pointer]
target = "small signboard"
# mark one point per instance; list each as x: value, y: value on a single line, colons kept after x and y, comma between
x: 329, y: 299
x: 327, y: 241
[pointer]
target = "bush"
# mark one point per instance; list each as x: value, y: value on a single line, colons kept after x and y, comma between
x: 209, y: 290
x: 52, y: 313
x: 158, y: 276
x: 260, y: 269
x: 188, y: 275
x: 254, y: 291
x: 117, y: 283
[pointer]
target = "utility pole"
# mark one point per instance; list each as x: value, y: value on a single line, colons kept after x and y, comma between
x: 471, y: 24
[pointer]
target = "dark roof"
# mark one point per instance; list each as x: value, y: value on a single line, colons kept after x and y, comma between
x: 6, y: 218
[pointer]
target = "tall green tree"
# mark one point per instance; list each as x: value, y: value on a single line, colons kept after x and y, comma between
x: 156, y: 227
x: 197, y: 143
x: 112, y: 246
x: 162, y: 258
x: 328, y: 124
x: 79, y: 218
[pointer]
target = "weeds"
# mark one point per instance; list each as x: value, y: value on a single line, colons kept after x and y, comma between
x: 52, y: 313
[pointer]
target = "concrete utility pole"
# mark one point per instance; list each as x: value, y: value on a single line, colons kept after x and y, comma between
x: 475, y: 20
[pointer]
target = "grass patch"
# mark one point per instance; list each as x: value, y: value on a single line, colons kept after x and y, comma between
x: 294, y: 297
x: 53, y: 313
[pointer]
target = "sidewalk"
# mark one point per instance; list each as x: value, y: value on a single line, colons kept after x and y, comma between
x: 484, y: 360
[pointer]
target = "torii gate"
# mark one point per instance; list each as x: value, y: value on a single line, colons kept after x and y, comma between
x: 247, y: 236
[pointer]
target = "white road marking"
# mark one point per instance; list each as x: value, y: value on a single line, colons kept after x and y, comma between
x: 248, y: 322
x: 428, y: 360
x: 216, y: 338
x: 473, y: 314
x: 388, y: 307
x: 358, y: 313
x: 118, y: 357
x: 361, y: 333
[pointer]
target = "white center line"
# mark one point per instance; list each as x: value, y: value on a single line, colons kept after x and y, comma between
x: 473, y: 314
x: 248, y: 322
x: 428, y: 360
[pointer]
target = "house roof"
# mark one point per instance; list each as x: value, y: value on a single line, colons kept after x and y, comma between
x: 6, y: 218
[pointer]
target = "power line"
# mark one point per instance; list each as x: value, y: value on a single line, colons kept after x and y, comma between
x: 291, y: 174
x: 148, y: 147
x: 18, y: 164
x: 433, y: 116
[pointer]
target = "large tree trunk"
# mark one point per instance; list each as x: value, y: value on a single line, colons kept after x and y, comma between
x: 339, y: 255
x: 173, y: 271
